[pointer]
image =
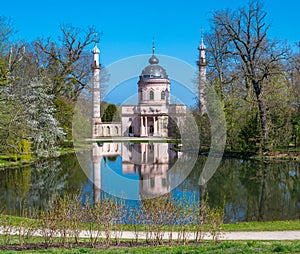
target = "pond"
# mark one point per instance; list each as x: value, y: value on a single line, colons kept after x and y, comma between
x: 249, y: 190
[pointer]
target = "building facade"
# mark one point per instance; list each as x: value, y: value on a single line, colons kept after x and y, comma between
x: 151, y: 116
x: 154, y: 114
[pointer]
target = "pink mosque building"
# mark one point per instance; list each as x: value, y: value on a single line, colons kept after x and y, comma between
x: 153, y: 115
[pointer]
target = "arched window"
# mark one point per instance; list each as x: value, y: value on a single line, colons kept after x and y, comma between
x: 108, y: 130
x: 117, y: 130
x: 162, y: 95
x: 151, y: 95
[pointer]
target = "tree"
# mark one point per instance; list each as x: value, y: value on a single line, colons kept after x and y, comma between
x: 67, y: 62
x: 27, y: 123
x: 111, y: 114
x: 220, y: 69
x: 12, y: 129
x: 255, y: 57
x: 28, y: 118
x: 293, y: 70
x: 7, y: 31
x: 67, y: 65
x: 45, y: 130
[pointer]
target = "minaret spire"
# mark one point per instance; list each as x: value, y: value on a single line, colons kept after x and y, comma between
x: 153, y: 59
x: 96, y: 119
x: 202, y: 75
x: 96, y: 53
x: 153, y: 47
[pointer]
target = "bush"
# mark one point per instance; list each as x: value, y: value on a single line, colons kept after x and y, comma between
x: 158, y: 217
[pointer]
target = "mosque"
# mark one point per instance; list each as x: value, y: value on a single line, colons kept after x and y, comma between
x: 154, y: 115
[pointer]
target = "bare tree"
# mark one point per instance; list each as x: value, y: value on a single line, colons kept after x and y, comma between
x: 251, y: 51
x: 68, y: 62
x: 220, y: 69
x: 7, y: 31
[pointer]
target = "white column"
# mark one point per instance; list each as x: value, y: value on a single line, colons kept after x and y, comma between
x: 158, y: 125
x: 146, y: 126
x: 142, y: 126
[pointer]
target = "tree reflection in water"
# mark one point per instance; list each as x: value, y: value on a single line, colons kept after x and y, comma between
x: 252, y: 190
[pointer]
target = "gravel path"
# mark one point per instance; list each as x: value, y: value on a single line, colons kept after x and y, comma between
x: 263, y: 235
x: 243, y: 235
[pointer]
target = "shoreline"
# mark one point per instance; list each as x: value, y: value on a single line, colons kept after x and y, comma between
x: 270, y: 157
x: 26, y: 163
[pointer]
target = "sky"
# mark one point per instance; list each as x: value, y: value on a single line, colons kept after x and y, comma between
x: 128, y: 27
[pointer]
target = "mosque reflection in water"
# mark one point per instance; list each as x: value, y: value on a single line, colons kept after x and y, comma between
x: 150, y: 162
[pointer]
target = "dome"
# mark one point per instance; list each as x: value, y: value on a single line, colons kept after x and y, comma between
x: 153, y: 60
x: 154, y: 71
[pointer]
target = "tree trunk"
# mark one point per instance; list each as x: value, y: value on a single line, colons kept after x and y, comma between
x: 262, y: 114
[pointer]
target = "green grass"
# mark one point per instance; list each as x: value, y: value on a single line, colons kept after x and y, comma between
x: 16, y: 220
x: 206, y: 247
x: 7, y: 161
x: 244, y: 226
x: 263, y: 226
x: 241, y: 226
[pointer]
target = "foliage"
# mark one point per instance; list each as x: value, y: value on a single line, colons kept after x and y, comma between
x: 249, y: 136
x: 242, y: 54
x: 40, y: 85
x: 256, y: 78
x: 67, y: 216
x: 111, y: 114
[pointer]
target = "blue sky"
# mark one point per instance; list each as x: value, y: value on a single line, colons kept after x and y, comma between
x: 129, y: 26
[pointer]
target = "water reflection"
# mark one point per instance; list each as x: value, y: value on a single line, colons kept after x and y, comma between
x: 40, y: 183
x: 251, y: 190
x: 148, y: 162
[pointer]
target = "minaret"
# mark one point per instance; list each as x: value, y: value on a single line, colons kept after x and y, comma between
x: 96, y: 120
x: 202, y: 76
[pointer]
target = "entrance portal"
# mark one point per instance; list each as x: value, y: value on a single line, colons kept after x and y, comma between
x: 151, y: 130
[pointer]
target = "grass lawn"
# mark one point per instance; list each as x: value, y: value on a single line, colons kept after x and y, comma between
x: 263, y: 226
x: 240, y: 226
x: 36, y: 243
x: 206, y: 247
